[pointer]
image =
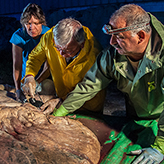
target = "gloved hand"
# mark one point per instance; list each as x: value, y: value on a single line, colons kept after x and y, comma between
x: 48, y: 106
x: 29, y: 86
x: 147, y: 156
x: 20, y: 96
x: 38, y: 87
x: 61, y: 111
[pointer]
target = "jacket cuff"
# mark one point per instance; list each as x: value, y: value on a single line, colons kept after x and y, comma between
x: 158, y: 144
x: 61, y: 111
x: 22, y: 81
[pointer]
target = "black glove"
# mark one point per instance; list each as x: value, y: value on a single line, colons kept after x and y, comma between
x: 20, y: 96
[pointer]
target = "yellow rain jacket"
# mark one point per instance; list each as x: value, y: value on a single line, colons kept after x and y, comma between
x: 64, y: 76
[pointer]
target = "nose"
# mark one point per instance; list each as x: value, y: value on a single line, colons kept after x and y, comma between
x: 113, y: 40
x: 62, y: 52
x: 32, y: 25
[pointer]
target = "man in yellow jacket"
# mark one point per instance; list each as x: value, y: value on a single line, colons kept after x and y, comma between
x: 71, y: 50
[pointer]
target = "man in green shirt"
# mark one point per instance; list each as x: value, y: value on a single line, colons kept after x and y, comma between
x: 136, y: 61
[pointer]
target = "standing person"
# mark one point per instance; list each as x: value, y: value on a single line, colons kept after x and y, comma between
x: 136, y: 61
x: 24, y: 40
x: 71, y: 50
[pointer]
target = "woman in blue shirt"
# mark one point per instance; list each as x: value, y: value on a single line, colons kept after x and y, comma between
x: 24, y: 40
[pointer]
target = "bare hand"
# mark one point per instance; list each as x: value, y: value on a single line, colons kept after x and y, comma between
x: 49, y: 106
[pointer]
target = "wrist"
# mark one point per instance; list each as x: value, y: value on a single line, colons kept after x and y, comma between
x: 29, y: 75
x: 158, y: 144
x: 61, y: 111
x: 17, y: 89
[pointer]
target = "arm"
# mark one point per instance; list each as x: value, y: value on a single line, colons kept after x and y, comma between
x: 17, y: 71
x: 155, y: 152
x: 96, y: 79
x: 44, y: 74
x: 35, y: 59
x: 17, y: 65
x: 159, y: 142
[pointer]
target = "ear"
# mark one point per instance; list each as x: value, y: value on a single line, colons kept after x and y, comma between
x: 82, y: 45
x: 141, y: 36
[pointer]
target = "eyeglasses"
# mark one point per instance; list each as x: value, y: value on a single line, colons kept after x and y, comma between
x: 64, y: 50
x: 107, y: 29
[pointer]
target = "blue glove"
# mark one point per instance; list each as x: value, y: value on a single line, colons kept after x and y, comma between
x: 147, y: 156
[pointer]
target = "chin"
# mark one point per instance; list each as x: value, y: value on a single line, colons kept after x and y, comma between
x: 35, y: 36
x: 65, y: 56
x: 119, y: 51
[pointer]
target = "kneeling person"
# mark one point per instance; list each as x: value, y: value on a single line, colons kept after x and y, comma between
x: 70, y: 50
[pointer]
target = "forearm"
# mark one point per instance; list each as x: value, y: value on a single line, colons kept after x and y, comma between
x: 43, y: 75
x: 96, y: 79
x: 17, y: 74
x: 32, y: 66
x: 78, y: 97
x: 17, y: 65
x: 35, y: 60
x: 159, y: 141
x: 17, y: 79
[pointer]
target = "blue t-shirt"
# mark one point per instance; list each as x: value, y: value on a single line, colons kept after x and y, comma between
x: 27, y: 43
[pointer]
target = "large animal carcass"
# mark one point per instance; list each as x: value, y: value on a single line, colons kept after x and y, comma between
x: 27, y: 136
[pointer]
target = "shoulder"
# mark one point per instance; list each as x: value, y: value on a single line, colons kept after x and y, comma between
x: 87, y: 31
x: 18, y: 37
x: 47, y: 38
x: 48, y: 34
x: 44, y: 29
x: 20, y: 32
x: 110, y: 50
x: 107, y: 55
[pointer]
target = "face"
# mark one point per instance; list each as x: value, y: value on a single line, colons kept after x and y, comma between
x: 71, y: 49
x: 33, y: 27
x: 123, y: 42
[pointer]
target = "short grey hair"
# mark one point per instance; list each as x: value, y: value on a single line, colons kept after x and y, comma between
x: 68, y: 29
x: 133, y: 15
